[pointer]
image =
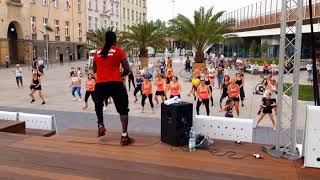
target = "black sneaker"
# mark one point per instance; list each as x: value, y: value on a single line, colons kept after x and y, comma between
x: 126, y: 140
x: 43, y: 103
x: 259, y: 112
x: 33, y: 100
x: 101, y: 130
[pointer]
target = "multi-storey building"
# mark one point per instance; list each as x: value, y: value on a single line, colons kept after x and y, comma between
x: 23, y: 35
x: 103, y: 14
x: 133, y: 12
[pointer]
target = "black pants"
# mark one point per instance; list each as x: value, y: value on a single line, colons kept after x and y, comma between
x: 136, y: 90
x: 88, y: 94
x: 206, y: 103
x: 224, y: 95
x: 119, y: 94
x: 144, y: 97
x: 131, y: 80
x: 211, y: 98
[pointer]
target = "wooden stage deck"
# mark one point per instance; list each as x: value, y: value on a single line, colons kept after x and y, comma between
x: 78, y: 154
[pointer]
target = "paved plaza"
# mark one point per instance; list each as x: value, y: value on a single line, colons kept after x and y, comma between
x: 59, y: 100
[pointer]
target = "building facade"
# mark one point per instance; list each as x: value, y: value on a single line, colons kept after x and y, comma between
x: 23, y: 35
x: 132, y: 12
x: 102, y: 14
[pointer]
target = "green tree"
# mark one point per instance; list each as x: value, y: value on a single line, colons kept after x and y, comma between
x: 96, y: 38
x: 202, y: 31
x: 140, y: 36
x: 264, y: 49
x: 253, y: 49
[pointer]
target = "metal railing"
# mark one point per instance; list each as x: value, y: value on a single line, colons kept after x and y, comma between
x: 267, y: 13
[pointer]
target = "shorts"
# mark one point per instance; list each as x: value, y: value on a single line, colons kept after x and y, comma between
x: 235, y: 99
x: 33, y: 87
x: 267, y: 111
x: 117, y: 91
x: 159, y: 93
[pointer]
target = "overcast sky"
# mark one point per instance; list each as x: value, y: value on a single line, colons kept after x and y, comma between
x: 163, y: 9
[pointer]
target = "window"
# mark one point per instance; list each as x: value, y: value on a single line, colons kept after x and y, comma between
x: 45, y: 53
x: 132, y: 14
x: 79, y: 30
x: 67, y: 4
x: 56, y: 27
x: 57, y: 53
x: 45, y: 23
x: 117, y: 24
x: 139, y: 3
x: 124, y: 12
x: 128, y: 13
x: 34, y: 52
x: 112, y: 8
x: 33, y: 25
x: 140, y: 17
x: 137, y: 16
x: 79, y: 5
x: 44, y: 2
x: 144, y: 3
x: 66, y: 28
x: 96, y: 23
x: 56, y: 3
x: 89, y: 22
x: 90, y: 4
x: 117, y: 10
x: 104, y: 7
x: 105, y: 24
x: 111, y: 23
x: 96, y: 3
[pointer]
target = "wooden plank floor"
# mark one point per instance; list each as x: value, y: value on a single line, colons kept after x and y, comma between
x: 78, y: 154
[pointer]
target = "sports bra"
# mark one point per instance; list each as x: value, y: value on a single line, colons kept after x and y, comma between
x: 175, y: 91
x: 203, y: 92
x: 233, y: 92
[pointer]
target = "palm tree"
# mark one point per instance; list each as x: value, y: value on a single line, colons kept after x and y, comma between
x: 96, y: 38
x: 201, y: 32
x: 148, y: 34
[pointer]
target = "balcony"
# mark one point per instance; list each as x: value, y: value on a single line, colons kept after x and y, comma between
x: 14, y: 3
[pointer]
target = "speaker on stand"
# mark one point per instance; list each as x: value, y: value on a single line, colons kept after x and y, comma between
x: 176, y: 122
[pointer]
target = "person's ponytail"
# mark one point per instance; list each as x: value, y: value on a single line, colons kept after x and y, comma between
x: 110, y: 40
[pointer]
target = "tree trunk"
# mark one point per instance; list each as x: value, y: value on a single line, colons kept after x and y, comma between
x: 199, y: 58
x: 143, y: 57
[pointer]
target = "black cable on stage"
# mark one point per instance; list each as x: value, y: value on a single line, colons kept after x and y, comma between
x: 314, y: 63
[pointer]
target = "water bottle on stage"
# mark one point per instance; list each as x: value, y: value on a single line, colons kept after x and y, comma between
x: 192, y: 140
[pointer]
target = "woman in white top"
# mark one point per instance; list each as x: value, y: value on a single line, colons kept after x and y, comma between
x: 18, y: 72
x: 76, y: 86
x: 309, y: 69
x: 211, y: 74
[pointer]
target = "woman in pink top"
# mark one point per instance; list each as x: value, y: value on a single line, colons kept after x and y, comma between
x: 146, y: 93
x: 203, y: 93
x: 175, y: 88
x: 89, y: 89
x: 234, y: 94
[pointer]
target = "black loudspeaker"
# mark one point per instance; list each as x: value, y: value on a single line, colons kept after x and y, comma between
x: 176, y: 122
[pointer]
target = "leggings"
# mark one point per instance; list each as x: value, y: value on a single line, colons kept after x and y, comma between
x: 131, y: 80
x: 88, y: 94
x: 223, y: 96
x: 144, y: 97
x: 206, y: 103
x: 211, y: 98
x: 136, y: 90
x: 74, y: 89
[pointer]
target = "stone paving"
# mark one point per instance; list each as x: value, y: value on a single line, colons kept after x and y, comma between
x: 58, y: 94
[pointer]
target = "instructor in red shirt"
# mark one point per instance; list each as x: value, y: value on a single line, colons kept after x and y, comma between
x: 109, y: 83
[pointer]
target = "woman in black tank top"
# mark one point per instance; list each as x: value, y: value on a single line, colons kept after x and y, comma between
x: 208, y: 83
x: 240, y: 83
x: 224, y: 89
x: 36, y: 86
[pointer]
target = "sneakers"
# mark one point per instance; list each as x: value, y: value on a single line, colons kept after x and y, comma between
x: 101, y: 130
x: 73, y: 99
x: 259, y: 112
x: 104, y: 108
x: 274, y: 128
x: 142, y: 110
x: 33, y: 100
x: 43, y: 103
x: 80, y: 100
x: 126, y: 140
